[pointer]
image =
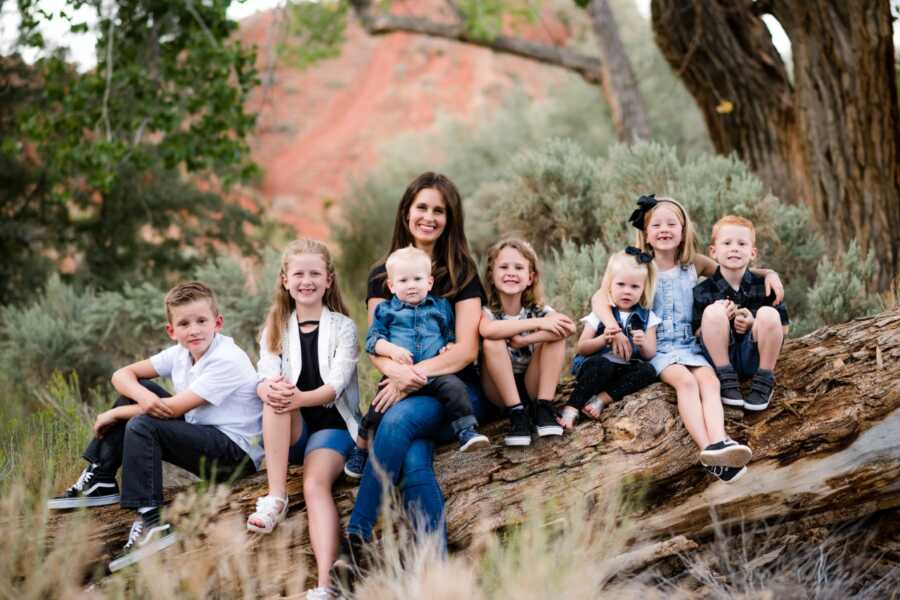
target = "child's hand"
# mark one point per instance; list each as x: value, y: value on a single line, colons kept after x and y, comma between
x: 730, y: 308
x: 447, y: 347
x: 639, y: 337
x: 773, y: 284
x: 743, y: 320
x: 401, y: 355
x: 557, y: 324
x: 156, y: 408
x: 517, y: 341
x: 103, y: 422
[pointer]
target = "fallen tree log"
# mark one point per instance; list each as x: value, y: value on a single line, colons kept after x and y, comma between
x: 826, y: 450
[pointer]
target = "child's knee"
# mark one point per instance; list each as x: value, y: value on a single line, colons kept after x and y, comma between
x: 768, y: 318
x: 494, y: 346
x: 714, y: 314
x: 140, y: 425
x: 314, y: 484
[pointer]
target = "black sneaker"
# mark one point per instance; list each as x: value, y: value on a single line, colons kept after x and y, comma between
x: 519, y: 432
x: 727, y: 453
x: 149, y: 535
x: 356, y: 463
x: 545, y: 419
x: 469, y: 439
x: 89, y: 490
x: 348, y: 567
x: 761, y: 389
x: 730, y: 387
x: 727, y: 474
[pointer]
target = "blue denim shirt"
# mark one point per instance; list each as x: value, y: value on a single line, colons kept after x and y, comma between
x: 422, y: 329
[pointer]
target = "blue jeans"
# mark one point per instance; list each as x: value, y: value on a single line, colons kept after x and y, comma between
x: 403, y: 449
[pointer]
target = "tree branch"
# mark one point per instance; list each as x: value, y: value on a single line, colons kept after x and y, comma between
x: 589, y: 67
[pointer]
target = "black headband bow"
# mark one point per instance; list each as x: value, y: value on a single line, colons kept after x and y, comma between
x: 644, y: 203
x: 639, y: 255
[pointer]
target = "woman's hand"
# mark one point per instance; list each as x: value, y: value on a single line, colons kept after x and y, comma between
x: 104, y: 421
x: 557, y: 324
x: 406, y: 378
x: 773, y: 284
x: 387, y: 396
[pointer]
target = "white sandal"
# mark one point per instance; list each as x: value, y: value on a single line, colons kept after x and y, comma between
x: 596, y: 403
x: 568, y: 418
x: 267, y: 513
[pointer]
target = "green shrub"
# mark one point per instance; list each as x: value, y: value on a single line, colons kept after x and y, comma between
x: 839, y: 294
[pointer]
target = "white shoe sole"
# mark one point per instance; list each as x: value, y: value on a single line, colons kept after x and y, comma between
x: 517, y: 440
x: 475, y: 443
x: 143, y: 552
x: 758, y: 407
x: 547, y: 430
x: 739, y: 474
x: 734, y: 403
x: 351, y: 474
x: 735, y: 456
x: 67, y: 503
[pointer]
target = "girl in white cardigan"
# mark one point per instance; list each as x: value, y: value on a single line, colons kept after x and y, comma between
x: 308, y: 384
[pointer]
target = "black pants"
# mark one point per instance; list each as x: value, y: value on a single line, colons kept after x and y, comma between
x: 598, y: 374
x: 449, y: 390
x: 140, y: 444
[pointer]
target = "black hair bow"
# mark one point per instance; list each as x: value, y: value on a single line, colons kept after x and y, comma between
x: 644, y: 203
x: 640, y: 256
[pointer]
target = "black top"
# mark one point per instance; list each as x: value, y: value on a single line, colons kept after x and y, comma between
x: 315, y: 417
x: 378, y: 288
x: 750, y: 294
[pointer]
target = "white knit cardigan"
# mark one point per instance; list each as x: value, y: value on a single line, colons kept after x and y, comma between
x: 338, y: 353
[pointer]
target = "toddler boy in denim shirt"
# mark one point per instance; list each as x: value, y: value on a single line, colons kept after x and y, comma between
x: 411, y: 327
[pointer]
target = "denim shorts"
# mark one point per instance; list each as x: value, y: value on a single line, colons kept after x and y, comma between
x: 338, y: 440
x: 743, y: 354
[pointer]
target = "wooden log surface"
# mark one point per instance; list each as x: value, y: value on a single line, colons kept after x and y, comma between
x: 826, y: 450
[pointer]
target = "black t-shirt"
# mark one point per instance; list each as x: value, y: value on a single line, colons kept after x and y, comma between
x: 315, y: 417
x: 378, y: 288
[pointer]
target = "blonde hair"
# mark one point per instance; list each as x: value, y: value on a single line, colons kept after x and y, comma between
x: 283, y: 305
x: 733, y: 220
x: 687, y: 249
x: 187, y: 292
x: 409, y: 254
x: 621, y: 261
x: 533, y: 294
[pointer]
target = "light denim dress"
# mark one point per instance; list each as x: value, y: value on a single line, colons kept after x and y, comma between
x: 673, y: 303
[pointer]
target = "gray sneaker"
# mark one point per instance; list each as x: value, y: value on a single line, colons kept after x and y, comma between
x: 730, y: 387
x: 761, y: 389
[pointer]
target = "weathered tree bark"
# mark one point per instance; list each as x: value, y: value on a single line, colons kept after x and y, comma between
x: 832, y: 139
x: 613, y: 70
x: 826, y: 450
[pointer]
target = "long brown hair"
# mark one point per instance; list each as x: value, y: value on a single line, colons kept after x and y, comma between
x: 533, y: 294
x: 687, y: 249
x: 453, y: 261
x: 282, y: 303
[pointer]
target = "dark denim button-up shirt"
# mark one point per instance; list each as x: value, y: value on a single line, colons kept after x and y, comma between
x: 422, y: 329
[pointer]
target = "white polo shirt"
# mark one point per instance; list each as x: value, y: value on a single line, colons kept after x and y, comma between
x: 226, y: 379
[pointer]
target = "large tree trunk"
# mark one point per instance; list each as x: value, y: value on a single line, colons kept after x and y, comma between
x: 832, y: 138
x: 827, y: 450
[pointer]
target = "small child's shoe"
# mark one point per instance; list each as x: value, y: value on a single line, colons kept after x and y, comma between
x: 519, y: 432
x: 727, y: 474
x: 568, y: 417
x: 761, y: 389
x: 356, y: 463
x: 469, y: 439
x: 730, y: 386
x: 727, y: 453
x: 545, y: 419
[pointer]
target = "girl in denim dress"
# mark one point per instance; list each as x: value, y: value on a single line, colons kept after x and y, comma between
x: 666, y: 231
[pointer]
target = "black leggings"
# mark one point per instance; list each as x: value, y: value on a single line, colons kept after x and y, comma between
x: 598, y: 374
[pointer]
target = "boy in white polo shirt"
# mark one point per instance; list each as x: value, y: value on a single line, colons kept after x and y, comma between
x: 212, y: 426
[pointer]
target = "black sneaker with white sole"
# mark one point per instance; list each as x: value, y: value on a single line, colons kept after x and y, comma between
x: 91, y: 489
x: 727, y: 474
x: 727, y: 453
x: 519, y: 432
x: 545, y: 419
x: 149, y: 535
x: 761, y: 389
x: 469, y: 440
x: 729, y: 386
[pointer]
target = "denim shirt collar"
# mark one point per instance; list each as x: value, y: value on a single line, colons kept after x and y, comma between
x: 397, y: 303
x: 725, y: 287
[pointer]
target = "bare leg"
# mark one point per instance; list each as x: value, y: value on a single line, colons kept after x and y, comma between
x: 321, y: 468
x: 769, y: 334
x: 546, y: 364
x: 497, y: 376
x: 713, y: 414
x: 715, y: 329
x: 689, y: 406
x: 280, y: 431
